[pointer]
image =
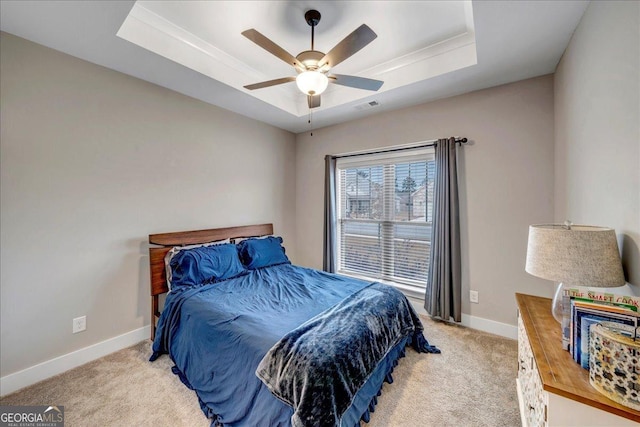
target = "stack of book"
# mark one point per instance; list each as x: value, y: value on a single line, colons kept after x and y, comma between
x: 585, y: 308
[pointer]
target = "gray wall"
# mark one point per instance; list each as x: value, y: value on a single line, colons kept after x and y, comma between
x: 506, y: 181
x: 92, y: 161
x: 597, y: 127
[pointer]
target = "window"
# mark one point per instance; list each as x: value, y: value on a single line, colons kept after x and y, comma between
x: 385, y: 206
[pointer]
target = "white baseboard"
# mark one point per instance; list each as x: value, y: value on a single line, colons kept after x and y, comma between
x: 485, y: 325
x: 48, y: 369
x: 491, y: 326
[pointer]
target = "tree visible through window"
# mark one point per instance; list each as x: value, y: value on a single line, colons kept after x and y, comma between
x: 384, y: 216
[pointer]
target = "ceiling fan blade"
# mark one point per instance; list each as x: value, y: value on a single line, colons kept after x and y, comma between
x: 271, y: 47
x: 357, y: 82
x: 270, y: 83
x: 313, y: 101
x: 355, y: 41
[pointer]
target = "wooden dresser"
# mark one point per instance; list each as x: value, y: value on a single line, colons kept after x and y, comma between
x: 553, y: 390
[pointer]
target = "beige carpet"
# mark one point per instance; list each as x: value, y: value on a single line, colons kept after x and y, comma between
x: 472, y: 383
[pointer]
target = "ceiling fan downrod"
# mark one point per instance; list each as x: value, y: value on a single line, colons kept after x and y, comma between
x: 312, y: 17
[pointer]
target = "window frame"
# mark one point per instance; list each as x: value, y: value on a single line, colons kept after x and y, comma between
x: 387, y: 224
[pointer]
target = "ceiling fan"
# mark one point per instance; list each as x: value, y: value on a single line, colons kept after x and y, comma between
x: 313, y: 66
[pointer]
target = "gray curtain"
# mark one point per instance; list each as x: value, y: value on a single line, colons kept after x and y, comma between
x: 443, y: 295
x: 330, y: 257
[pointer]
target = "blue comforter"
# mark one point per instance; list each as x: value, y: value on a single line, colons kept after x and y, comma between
x: 217, y: 335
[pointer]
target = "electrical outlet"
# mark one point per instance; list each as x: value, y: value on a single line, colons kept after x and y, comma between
x: 79, y: 324
x: 473, y: 296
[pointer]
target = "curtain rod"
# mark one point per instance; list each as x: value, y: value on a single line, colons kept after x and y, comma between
x: 432, y: 143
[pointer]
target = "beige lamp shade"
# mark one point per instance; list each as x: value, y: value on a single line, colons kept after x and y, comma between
x: 576, y: 255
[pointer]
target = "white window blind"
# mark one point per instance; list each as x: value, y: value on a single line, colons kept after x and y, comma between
x: 385, y: 206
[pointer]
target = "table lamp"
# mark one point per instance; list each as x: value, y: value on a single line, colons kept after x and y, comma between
x: 573, y: 255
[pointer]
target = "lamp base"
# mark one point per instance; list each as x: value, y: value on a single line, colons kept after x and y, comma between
x: 557, y: 308
x: 560, y: 310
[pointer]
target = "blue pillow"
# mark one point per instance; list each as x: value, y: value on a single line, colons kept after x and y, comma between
x: 205, y: 264
x: 257, y: 253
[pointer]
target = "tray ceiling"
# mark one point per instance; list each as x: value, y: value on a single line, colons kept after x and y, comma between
x: 425, y: 50
x: 416, y: 41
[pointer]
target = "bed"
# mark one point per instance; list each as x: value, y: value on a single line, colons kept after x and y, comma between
x: 263, y: 342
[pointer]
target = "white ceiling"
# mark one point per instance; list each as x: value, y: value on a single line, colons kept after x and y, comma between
x: 424, y: 50
x: 206, y: 37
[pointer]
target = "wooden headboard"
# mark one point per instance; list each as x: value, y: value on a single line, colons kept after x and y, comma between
x: 182, y: 238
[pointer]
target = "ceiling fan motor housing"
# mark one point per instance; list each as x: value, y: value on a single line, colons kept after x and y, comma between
x: 310, y: 59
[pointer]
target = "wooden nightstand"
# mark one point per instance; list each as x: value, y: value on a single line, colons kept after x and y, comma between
x: 553, y: 390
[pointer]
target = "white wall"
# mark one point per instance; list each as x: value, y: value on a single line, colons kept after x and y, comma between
x: 92, y: 161
x: 597, y: 103
x: 506, y: 181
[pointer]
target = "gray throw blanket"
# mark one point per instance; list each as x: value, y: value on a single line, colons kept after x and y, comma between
x: 319, y: 367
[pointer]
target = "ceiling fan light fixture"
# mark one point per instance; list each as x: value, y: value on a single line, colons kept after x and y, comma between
x: 312, y: 82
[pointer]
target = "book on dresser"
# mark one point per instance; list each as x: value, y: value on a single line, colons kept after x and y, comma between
x: 585, y: 314
x: 586, y: 295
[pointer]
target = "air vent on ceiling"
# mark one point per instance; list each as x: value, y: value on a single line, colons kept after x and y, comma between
x: 367, y: 105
